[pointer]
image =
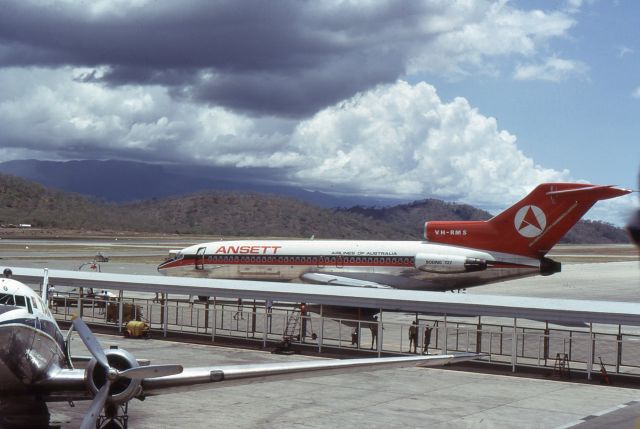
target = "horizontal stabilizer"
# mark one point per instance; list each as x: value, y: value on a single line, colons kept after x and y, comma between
x: 592, y: 193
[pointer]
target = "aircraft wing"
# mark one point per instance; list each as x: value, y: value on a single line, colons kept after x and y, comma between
x: 331, y: 279
x: 62, y: 385
x: 232, y: 375
x: 66, y: 384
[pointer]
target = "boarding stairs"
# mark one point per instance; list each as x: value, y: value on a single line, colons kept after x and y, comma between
x: 292, y: 331
x: 561, y: 366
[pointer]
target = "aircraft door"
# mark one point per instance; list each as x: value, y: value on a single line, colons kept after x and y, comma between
x: 339, y: 262
x: 200, y: 258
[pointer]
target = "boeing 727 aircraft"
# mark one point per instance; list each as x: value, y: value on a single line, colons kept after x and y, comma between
x: 36, y: 367
x: 453, y: 254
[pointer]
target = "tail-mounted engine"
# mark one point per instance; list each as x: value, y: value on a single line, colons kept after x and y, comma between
x: 123, y: 389
x: 448, y: 264
x: 549, y: 266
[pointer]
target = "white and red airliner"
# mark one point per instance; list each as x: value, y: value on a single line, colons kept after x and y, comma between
x: 453, y: 254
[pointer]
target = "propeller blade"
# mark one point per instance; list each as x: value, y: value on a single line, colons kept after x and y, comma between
x: 89, y: 420
x: 44, y: 292
x: 151, y: 371
x: 67, y: 344
x: 69, y: 332
x: 90, y: 341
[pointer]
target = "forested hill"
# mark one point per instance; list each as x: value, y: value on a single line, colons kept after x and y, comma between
x: 244, y: 214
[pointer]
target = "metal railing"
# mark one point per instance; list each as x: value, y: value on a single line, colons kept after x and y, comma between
x: 535, y: 346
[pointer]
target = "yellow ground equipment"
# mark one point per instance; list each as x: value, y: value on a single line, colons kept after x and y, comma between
x: 137, y: 329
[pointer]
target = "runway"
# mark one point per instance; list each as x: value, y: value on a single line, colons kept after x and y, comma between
x: 407, y: 398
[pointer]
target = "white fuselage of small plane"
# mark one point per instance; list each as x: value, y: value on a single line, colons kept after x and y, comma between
x: 31, y: 344
x: 399, y: 264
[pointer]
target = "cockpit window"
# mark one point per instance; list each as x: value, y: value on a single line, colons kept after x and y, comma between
x: 179, y: 256
x: 7, y: 299
x: 20, y: 301
x: 42, y: 306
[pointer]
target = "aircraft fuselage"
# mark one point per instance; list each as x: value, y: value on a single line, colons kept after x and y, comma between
x: 31, y: 344
x: 399, y: 264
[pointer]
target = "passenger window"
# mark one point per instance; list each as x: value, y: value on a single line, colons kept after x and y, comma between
x: 20, y: 301
x: 7, y: 299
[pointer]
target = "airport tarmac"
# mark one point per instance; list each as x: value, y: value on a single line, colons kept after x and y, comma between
x: 407, y: 398
x: 416, y: 397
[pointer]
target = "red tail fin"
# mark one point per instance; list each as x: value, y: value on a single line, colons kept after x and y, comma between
x: 530, y: 227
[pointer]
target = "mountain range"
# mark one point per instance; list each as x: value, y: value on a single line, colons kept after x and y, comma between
x: 233, y: 213
x: 126, y: 181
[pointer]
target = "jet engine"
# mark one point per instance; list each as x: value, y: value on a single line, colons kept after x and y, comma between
x: 121, y: 390
x: 448, y: 264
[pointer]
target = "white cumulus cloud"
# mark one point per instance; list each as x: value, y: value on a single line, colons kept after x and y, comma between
x: 470, y: 33
x: 402, y: 139
x: 554, y: 69
x: 394, y: 140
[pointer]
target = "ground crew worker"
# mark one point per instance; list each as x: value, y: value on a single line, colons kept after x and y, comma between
x: 427, y: 339
x: 240, y: 312
x: 303, y: 314
x: 374, y: 332
x: 413, y: 337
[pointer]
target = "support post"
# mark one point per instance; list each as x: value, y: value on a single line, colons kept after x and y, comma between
x: 619, y: 349
x: 479, y: 336
x: 165, y: 311
x: 590, y: 352
x: 206, y: 315
x: 80, y: 296
x: 416, y: 340
x: 514, y: 345
x: 379, y: 335
x: 446, y: 336
x: 321, y: 337
x: 265, y: 322
x: 120, y: 305
x: 214, y: 323
x: 546, y: 343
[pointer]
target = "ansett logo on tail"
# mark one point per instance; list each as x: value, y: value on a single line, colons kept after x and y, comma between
x: 530, y: 221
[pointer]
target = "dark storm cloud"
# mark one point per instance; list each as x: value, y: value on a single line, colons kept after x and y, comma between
x: 282, y: 57
x: 290, y: 94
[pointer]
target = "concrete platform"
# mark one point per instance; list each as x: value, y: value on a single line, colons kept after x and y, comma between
x: 408, y: 398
